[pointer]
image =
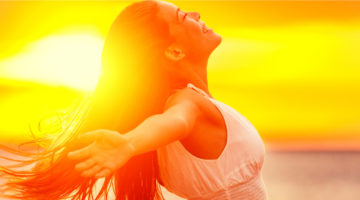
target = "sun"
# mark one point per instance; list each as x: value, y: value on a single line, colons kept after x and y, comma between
x: 73, y: 60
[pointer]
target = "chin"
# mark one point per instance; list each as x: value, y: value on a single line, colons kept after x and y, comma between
x: 219, y: 39
x: 215, y: 41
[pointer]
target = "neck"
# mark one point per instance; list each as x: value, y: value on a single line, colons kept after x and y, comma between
x: 192, y: 72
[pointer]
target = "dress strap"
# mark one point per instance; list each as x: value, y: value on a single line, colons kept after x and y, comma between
x: 190, y: 85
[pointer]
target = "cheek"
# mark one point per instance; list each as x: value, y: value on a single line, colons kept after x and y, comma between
x: 193, y: 31
x: 196, y: 37
x: 192, y: 38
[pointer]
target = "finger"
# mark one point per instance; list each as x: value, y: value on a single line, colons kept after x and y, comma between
x: 81, y: 153
x: 85, y: 165
x: 103, y: 173
x: 91, y: 172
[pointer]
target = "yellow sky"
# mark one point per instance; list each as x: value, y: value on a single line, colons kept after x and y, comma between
x: 290, y: 67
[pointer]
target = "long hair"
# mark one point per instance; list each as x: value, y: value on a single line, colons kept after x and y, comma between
x: 133, y: 86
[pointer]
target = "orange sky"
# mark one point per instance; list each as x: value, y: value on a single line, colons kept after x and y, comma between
x: 291, y: 67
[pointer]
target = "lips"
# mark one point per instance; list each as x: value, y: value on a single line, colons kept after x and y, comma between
x: 204, y: 28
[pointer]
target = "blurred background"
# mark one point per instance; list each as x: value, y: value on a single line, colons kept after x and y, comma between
x: 291, y: 67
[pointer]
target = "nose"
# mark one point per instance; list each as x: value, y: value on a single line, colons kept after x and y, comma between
x: 194, y: 15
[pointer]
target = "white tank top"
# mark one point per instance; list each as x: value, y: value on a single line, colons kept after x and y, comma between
x: 235, y: 174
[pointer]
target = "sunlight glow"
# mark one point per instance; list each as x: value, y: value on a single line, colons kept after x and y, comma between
x: 73, y: 60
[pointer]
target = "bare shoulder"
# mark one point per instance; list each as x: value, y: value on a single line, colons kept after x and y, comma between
x: 186, y: 96
x: 200, y: 104
x: 208, y: 136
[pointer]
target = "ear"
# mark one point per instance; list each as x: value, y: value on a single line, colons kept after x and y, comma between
x: 174, y: 53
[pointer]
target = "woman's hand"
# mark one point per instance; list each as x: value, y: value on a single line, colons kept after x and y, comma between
x: 107, y: 151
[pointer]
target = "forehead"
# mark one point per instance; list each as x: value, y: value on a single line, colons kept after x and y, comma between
x: 167, y: 11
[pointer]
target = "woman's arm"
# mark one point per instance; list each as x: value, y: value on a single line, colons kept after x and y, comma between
x: 158, y: 130
x: 110, y: 150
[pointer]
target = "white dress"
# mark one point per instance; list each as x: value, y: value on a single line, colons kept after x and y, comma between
x: 235, y: 174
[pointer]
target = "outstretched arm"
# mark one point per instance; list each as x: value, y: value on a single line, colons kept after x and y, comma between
x: 110, y: 150
x: 158, y: 130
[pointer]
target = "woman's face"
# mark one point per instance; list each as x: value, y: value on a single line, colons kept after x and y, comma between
x: 191, y: 34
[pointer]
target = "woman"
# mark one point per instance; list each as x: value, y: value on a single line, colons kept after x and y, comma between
x: 151, y: 120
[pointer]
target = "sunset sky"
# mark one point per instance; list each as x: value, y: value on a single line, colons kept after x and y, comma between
x: 291, y: 67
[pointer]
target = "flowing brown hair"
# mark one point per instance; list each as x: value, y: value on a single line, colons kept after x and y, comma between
x: 133, y: 86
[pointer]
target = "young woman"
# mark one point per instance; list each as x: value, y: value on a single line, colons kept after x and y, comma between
x: 151, y: 120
